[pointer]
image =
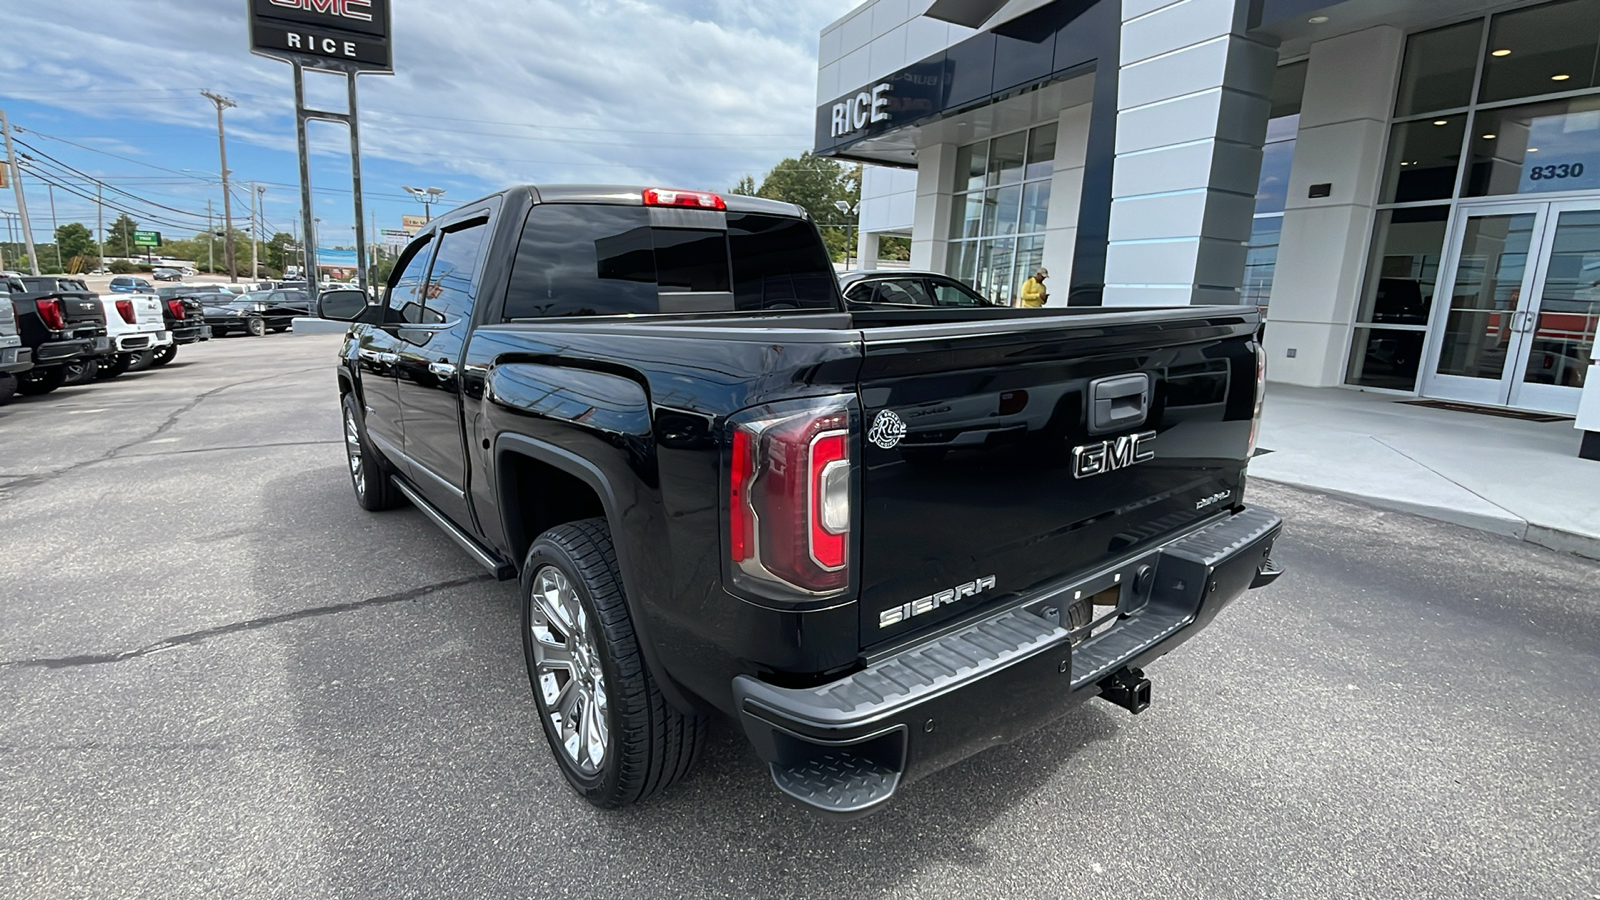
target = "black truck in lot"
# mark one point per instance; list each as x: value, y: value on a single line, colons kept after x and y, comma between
x: 63, y: 326
x: 880, y: 540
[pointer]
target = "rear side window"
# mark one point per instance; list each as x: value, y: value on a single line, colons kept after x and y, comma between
x: 607, y: 260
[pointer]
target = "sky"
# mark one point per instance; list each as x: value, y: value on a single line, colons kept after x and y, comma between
x: 487, y: 93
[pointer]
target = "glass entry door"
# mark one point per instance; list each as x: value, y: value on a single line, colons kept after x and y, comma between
x: 1523, y: 294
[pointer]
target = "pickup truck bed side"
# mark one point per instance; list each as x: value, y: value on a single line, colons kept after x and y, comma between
x: 880, y: 540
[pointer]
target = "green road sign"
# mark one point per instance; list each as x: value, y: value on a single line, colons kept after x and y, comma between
x: 147, y: 238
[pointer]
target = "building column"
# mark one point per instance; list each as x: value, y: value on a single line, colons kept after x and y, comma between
x: 1322, y: 252
x: 1066, y: 196
x: 936, y: 179
x: 1192, y: 114
x: 866, y: 250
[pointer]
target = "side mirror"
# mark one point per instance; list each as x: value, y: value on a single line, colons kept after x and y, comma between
x: 341, y: 306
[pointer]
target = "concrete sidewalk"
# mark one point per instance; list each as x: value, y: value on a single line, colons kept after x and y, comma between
x: 1512, y: 477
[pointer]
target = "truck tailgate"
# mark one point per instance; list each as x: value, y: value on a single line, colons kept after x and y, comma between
x: 1003, y: 473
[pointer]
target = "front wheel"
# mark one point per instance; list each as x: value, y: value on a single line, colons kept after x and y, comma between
x: 138, y: 362
x: 368, y: 473
x: 164, y: 355
x: 81, y: 370
x: 256, y: 327
x: 616, y: 739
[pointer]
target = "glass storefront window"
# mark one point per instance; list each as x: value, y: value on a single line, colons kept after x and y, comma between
x: 997, y: 232
x: 1439, y: 68
x: 1536, y: 148
x: 1423, y: 158
x: 1261, y: 260
x: 1542, y: 50
x: 1407, y: 245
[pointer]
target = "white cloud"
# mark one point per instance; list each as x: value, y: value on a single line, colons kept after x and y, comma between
x: 688, y: 92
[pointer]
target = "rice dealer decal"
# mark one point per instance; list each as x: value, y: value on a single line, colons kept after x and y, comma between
x: 887, y: 429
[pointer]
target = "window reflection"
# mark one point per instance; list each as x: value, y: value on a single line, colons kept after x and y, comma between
x: 1536, y: 148
x: 1439, y: 68
x: 1541, y: 50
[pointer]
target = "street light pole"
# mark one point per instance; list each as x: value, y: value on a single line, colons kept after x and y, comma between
x: 427, y: 197
x: 255, y: 237
x: 849, y: 209
x: 227, y: 202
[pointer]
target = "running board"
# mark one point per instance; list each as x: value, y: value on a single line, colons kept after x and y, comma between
x: 501, y: 569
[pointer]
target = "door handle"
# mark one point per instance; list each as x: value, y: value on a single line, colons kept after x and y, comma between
x: 442, y: 369
x: 1529, y: 319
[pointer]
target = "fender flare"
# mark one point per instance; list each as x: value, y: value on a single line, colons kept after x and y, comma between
x: 590, y: 474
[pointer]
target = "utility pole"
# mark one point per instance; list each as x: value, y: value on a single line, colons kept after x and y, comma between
x: 211, y: 241
x: 55, y: 226
x: 100, y: 220
x: 227, y: 202
x: 22, y: 201
x: 255, y: 236
x: 261, y: 207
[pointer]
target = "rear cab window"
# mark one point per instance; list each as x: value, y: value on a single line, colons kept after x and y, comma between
x: 588, y: 260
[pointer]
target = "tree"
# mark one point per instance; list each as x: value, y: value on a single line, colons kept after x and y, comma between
x: 280, y: 251
x: 75, y: 240
x: 815, y: 183
x: 119, y: 238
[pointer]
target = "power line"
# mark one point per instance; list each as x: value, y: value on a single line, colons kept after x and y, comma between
x: 109, y: 186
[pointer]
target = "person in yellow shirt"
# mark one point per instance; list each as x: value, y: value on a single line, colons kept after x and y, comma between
x: 1033, y: 292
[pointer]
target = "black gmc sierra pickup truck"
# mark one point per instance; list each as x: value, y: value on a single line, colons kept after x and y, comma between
x: 880, y: 540
x: 63, y: 325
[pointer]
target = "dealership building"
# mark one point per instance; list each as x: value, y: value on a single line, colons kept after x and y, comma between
x: 1410, y: 188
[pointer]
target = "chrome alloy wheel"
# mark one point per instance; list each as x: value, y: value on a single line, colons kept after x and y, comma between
x: 567, y: 666
x: 352, y: 449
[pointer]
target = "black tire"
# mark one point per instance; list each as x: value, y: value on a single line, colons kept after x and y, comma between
x: 278, y: 329
x: 138, y: 362
x: 164, y: 355
x: 118, y: 365
x: 369, y: 471
x: 255, y: 327
x: 81, y: 371
x: 8, y: 388
x: 42, y: 381
x: 650, y: 744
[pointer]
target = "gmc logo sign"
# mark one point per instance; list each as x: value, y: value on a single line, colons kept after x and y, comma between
x: 1109, y: 456
x: 359, y: 10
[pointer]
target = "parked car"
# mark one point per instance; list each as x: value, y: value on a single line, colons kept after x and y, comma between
x: 165, y: 274
x: 899, y: 288
x: 654, y: 408
x: 137, y: 330
x: 63, y: 325
x: 15, y: 359
x: 227, y: 313
x: 129, y: 284
x: 184, y: 317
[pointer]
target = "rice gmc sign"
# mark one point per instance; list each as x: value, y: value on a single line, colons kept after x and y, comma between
x: 343, y: 35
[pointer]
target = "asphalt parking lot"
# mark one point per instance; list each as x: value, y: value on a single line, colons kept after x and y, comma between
x: 224, y: 679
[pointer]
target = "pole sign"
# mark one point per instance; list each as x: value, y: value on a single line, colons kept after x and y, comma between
x: 413, y: 224
x: 147, y: 238
x: 338, y: 35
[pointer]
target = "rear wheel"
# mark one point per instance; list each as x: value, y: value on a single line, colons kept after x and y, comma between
x: 256, y: 327
x: 8, y: 388
x: 164, y: 355
x: 369, y: 473
x: 138, y: 362
x: 615, y: 737
x: 118, y: 365
x: 42, y: 381
x: 81, y: 370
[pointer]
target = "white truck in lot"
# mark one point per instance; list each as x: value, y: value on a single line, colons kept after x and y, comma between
x: 137, y: 331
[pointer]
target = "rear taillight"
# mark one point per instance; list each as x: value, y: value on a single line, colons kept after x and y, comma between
x: 789, y: 486
x: 691, y: 199
x: 1261, y: 398
x: 176, y: 308
x: 125, y: 310
x: 50, y: 312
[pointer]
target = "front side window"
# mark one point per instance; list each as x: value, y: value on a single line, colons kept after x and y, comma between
x: 405, y: 298
x: 452, y: 283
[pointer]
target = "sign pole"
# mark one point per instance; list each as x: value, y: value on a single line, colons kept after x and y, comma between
x: 307, y: 251
x: 355, y: 184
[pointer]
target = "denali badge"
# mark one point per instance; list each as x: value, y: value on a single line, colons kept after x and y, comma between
x: 1218, y: 497
x: 887, y: 429
x: 896, y: 615
x: 1108, y: 456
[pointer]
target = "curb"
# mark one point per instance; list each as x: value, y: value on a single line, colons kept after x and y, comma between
x: 313, y: 325
x: 1562, y: 541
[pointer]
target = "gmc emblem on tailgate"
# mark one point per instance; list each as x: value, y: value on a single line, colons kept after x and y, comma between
x: 1108, y: 456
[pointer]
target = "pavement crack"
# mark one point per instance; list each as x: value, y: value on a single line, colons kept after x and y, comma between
x: 195, y: 637
x: 29, y: 482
